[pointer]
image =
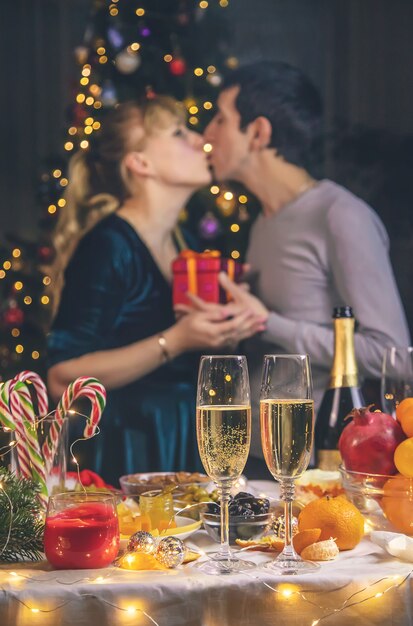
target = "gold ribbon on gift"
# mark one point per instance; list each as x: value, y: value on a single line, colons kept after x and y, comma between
x: 192, y: 259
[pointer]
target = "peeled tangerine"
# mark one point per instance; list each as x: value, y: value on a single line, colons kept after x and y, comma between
x: 321, y: 551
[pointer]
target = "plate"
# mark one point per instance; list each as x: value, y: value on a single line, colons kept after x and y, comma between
x: 185, y: 528
x: 135, y: 484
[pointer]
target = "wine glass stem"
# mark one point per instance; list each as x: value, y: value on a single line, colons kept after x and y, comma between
x: 224, y: 493
x: 287, y: 494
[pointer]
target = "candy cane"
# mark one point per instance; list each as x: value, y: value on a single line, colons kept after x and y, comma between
x: 83, y: 386
x: 22, y: 409
x: 40, y: 388
x: 11, y: 418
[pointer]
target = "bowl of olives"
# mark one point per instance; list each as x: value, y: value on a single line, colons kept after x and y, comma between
x: 249, y: 517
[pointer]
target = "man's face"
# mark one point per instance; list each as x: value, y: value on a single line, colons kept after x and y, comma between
x: 230, y: 145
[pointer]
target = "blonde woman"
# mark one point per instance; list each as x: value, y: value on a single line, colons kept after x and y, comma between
x: 115, y: 319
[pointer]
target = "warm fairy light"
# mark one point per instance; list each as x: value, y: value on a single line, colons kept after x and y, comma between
x: 214, y: 189
x: 16, y: 253
x: 45, y: 299
x: 13, y: 443
x: 84, y: 81
x: 47, y: 280
x: 96, y: 125
x: 101, y: 50
x: 35, y: 610
x: 19, y: 349
x: 208, y: 105
x: 223, y: 3
x: 18, y: 285
x: 212, y: 393
x: 228, y: 195
x: 86, y: 71
x: 131, y: 610
x: 90, y: 100
x: 89, y: 121
x: 193, y: 120
x: 139, y: 12
x: 72, y: 130
x: 203, y: 4
x: 35, y: 355
x: 2, y: 274
x: 103, y: 59
x: 95, y: 90
x: 52, y: 209
x: 84, y: 144
x: 7, y: 265
x: 80, y: 98
x: 235, y: 254
x: 193, y: 110
x: 64, y: 182
x: 113, y: 11
x: 228, y: 378
x: 61, y: 202
x: 211, y: 69
x: 242, y: 199
x: 235, y: 228
x: 198, y: 71
x: 208, y: 148
x: 135, y: 46
x: 57, y: 173
x: 27, y: 300
x: 232, y: 62
x: 315, y: 622
x: 168, y: 58
x: 378, y: 595
x: 88, y: 130
x: 97, y: 105
x: 69, y: 146
x: 15, y: 331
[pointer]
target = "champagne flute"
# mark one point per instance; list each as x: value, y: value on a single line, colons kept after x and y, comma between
x: 396, y: 377
x: 287, y: 432
x: 223, y: 426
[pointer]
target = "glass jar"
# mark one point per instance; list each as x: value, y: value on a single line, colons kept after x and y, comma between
x: 158, y: 505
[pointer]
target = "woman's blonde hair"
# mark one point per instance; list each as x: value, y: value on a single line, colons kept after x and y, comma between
x: 99, y: 181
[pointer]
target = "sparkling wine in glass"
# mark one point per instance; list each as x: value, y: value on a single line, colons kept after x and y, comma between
x: 287, y: 432
x: 223, y: 424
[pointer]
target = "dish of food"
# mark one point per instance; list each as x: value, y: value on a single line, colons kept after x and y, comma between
x: 185, y: 527
x: 135, y: 484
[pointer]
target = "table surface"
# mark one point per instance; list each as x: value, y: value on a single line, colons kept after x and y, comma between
x: 365, y: 586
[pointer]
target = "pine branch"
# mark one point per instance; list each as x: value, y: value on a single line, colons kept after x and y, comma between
x: 19, y: 506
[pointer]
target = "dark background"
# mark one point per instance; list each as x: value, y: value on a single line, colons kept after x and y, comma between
x: 358, y: 52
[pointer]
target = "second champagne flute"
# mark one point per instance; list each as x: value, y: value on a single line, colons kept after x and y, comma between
x: 287, y: 431
x: 223, y: 425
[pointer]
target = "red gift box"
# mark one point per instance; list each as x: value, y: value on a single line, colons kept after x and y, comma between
x: 197, y: 273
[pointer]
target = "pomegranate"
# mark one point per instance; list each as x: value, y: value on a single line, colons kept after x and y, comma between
x: 368, y: 442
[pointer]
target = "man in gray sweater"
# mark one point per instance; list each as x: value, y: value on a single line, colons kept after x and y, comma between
x: 315, y: 245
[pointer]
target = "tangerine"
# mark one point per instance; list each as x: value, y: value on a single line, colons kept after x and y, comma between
x: 404, y: 414
x: 403, y: 457
x: 397, y: 503
x: 305, y: 538
x: 321, y: 551
x: 338, y: 519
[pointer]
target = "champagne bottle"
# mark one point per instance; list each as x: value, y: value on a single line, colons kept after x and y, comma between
x: 343, y: 393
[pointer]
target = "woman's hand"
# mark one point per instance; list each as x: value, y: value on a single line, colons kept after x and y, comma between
x: 211, y: 328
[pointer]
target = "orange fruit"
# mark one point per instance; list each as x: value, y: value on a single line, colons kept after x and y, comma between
x: 403, y: 457
x: 397, y: 503
x: 305, y: 538
x: 321, y: 551
x: 404, y: 414
x: 338, y: 519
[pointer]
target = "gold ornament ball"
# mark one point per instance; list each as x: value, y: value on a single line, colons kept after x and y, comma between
x: 170, y: 551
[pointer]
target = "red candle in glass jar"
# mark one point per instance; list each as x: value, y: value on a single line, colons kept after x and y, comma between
x: 81, y: 530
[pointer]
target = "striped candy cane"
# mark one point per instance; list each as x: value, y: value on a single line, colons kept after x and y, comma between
x: 83, y: 386
x: 12, y: 419
x: 22, y: 409
x: 40, y: 388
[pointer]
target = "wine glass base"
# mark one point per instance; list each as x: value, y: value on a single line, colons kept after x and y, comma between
x: 292, y: 567
x: 218, y: 564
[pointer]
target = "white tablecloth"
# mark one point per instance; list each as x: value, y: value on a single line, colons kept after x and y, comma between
x: 188, y: 597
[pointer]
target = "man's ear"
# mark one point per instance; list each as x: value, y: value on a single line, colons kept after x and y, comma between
x: 261, y: 133
x: 138, y: 163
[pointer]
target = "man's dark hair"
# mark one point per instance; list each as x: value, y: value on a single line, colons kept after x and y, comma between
x: 288, y: 99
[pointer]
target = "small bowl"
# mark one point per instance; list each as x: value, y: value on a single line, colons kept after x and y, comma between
x: 136, y: 484
x: 239, y: 527
x: 385, y: 501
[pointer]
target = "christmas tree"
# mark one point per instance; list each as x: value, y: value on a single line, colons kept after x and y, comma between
x: 130, y: 50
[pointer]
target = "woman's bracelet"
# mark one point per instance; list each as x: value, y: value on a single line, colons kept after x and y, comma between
x: 164, y: 348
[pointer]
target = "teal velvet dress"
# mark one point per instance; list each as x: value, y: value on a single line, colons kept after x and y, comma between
x: 115, y: 295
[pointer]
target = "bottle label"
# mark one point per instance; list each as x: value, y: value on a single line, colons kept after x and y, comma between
x: 328, y: 460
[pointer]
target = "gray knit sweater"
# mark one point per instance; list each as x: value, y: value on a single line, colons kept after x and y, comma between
x: 326, y: 248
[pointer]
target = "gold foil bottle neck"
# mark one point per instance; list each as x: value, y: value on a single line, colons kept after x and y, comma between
x: 344, y: 372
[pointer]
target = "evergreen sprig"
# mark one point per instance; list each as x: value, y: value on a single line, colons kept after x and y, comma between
x: 27, y: 528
